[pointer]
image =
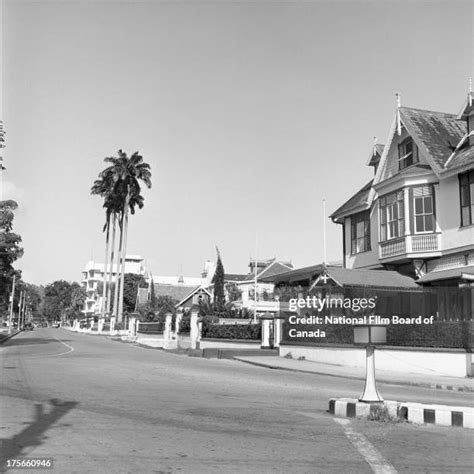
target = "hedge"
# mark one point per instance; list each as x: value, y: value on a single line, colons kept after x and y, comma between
x: 151, y: 328
x: 236, y: 331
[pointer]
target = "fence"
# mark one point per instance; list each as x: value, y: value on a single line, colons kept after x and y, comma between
x: 446, y: 303
x: 452, y: 309
x: 150, y: 328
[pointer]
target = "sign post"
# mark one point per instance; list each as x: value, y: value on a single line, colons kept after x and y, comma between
x: 369, y: 336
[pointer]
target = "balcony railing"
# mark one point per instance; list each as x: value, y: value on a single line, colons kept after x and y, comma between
x: 410, y: 244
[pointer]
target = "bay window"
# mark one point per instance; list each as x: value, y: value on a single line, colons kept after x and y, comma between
x: 392, y: 216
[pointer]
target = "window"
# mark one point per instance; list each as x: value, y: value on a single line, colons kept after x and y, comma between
x: 466, y: 189
x: 392, y: 216
x: 407, y: 154
x: 423, y: 209
x: 360, y: 232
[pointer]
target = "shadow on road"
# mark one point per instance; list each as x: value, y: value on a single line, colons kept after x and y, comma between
x: 34, y: 434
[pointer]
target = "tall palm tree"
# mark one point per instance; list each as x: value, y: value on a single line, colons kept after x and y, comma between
x: 104, y: 187
x: 119, y: 184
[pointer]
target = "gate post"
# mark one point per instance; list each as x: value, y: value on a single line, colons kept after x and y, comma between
x: 194, y: 327
x: 267, y: 322
x: 278, y: 329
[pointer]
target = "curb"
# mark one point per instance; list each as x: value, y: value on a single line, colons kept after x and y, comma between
x: 418, y: 413
x: 436, y: 386
x: 9, y: 337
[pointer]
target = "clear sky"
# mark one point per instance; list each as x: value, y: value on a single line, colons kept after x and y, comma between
x: 249, y: 113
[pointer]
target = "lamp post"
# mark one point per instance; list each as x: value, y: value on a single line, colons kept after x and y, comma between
x: 369, y: 336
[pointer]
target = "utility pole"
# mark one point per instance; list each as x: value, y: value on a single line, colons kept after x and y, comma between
x: 324, y: 231
x: 24, y: 309
x: 11, y: 306
x: 19, y: 309
x: 255, y: 278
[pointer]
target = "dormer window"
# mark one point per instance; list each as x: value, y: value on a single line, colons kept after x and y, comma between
x: 407, y: 154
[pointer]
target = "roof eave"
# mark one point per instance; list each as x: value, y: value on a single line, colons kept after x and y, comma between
x: 335, y: 216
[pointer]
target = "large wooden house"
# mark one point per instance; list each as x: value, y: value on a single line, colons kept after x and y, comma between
x: 417, y: 214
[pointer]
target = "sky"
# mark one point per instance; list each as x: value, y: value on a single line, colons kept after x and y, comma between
x: 249, y: 114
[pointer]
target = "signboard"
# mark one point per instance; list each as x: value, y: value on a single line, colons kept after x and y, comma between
x: 370, y: 334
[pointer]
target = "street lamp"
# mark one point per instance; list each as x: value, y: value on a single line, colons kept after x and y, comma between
x: 370, y: 335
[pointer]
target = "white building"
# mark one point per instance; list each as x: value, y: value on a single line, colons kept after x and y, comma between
x: 93, y: 274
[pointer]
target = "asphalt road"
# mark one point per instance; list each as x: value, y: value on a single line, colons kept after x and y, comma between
x: 96, y: 405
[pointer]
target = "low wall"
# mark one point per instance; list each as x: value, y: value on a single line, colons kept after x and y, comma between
x: 152, y: 340
x: 229, y: 343
x: 415, y: 360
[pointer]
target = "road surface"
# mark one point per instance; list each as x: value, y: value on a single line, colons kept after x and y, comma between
x: 96, y: 405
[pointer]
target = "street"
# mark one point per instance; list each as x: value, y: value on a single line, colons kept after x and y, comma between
x: 97, y: 405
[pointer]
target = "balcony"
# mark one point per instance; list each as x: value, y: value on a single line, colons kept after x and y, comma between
x: 411, y: 246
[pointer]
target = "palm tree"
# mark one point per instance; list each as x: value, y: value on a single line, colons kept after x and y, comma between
x: 119, y: 184
x: 104, y: 187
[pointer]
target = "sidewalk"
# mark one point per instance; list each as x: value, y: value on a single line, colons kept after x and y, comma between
x: 4, y: 336
x: 383, y: 376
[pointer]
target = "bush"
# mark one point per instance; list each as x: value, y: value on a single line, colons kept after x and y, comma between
x: 236, y: 331
x: 185, y: 324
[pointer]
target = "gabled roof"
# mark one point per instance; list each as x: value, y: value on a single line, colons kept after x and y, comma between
x: 358, y: 202
x: 436, y: 134
x: 176, y: 292
x: 192, y: 293
x: 377, y: 278
x: 234, y: 277
x: 467, y: 106
x: 376, y: 154
x: 274, y: 268
x: 300, y: 274
x: 461, y: 159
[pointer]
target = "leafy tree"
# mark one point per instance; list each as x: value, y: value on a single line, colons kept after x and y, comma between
x: 218, y: 280
x: 165, y: 304
x: 35, y: 296
x: 10, y: 251
x: 234, y: 293
x: 63, y: 300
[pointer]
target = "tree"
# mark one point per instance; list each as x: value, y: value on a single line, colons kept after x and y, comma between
x: 153, y: 302
x: 130, y: 292
x: 10, y: 251
x: 234, y: 293
x: 219, y: 280
x: 35, y: 296
x: 63, y: 300
x: 119, y: 185
x: 165, y: 304
x: 76, y: 302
